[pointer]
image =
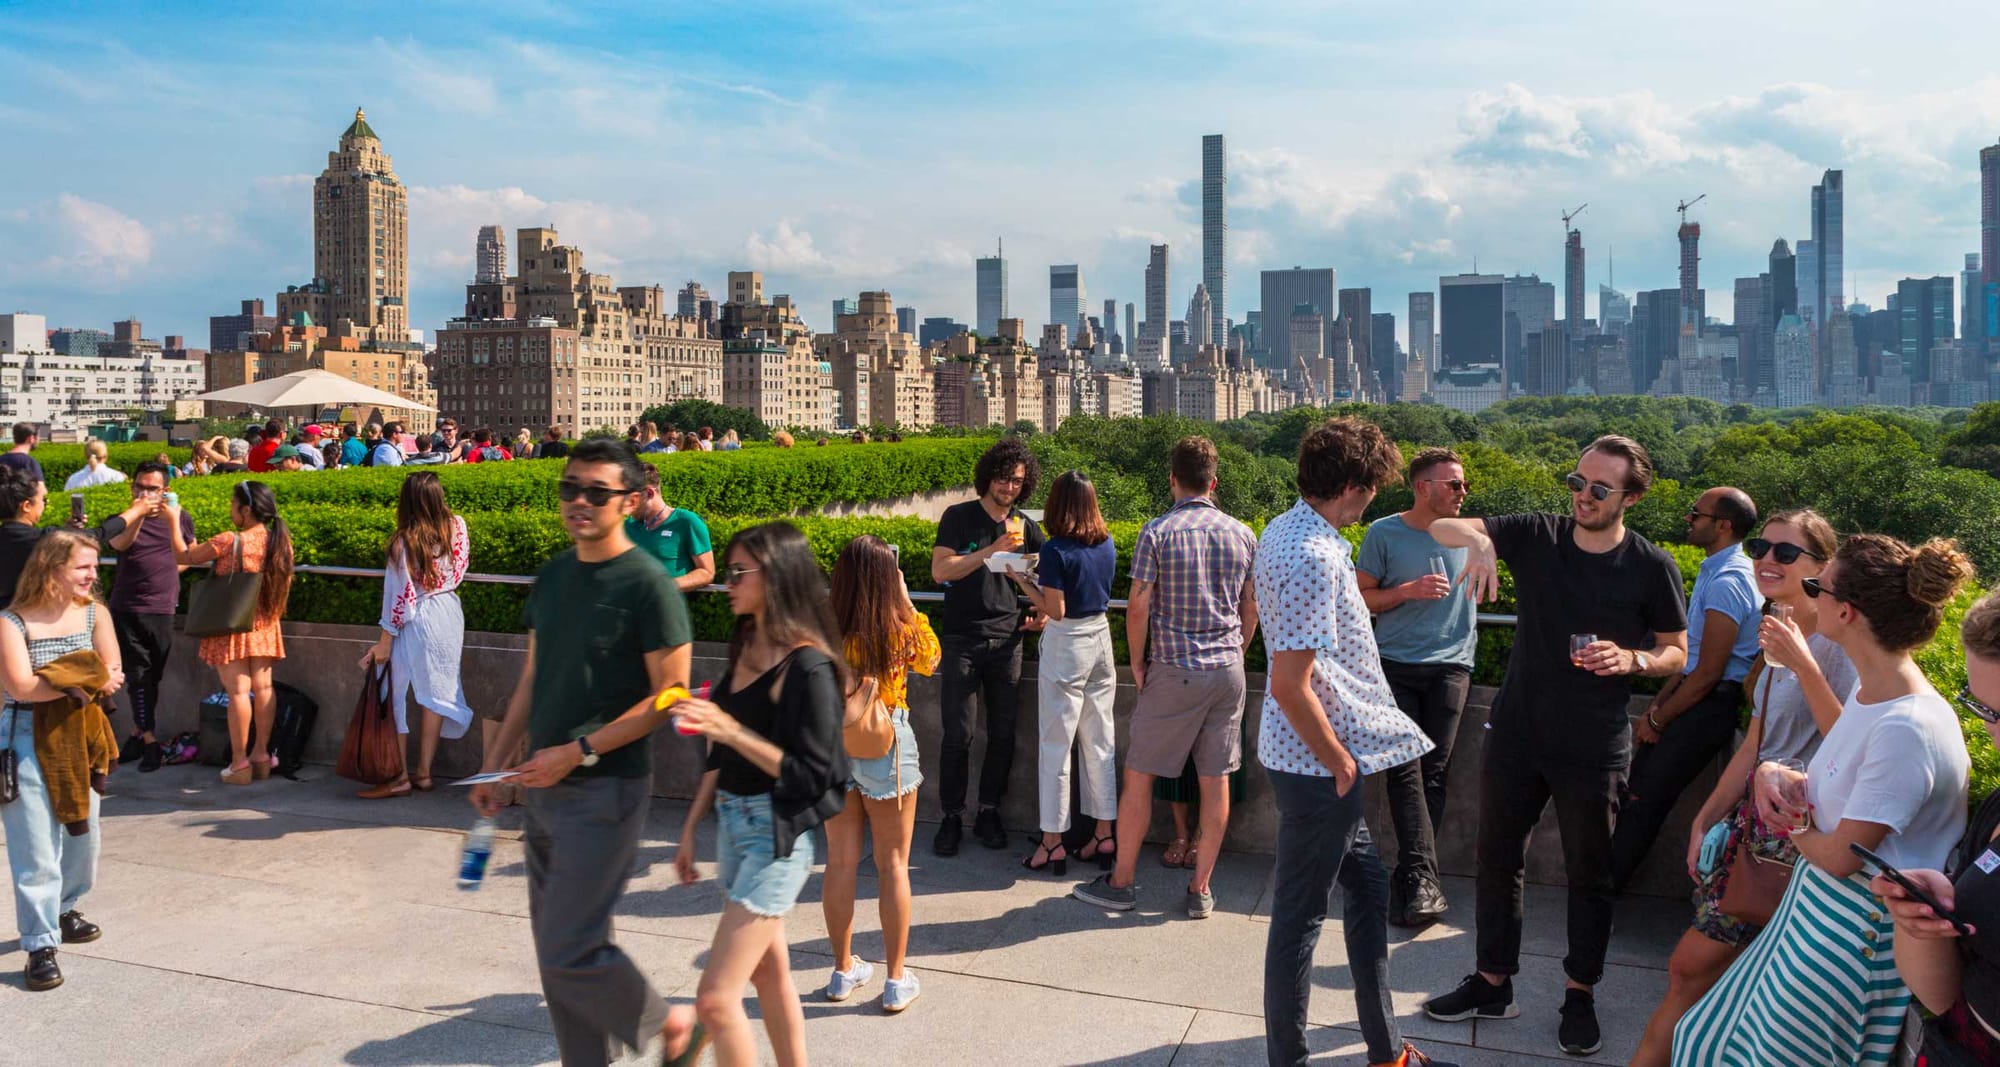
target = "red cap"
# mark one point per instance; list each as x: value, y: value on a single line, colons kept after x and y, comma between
x: 314, y: 430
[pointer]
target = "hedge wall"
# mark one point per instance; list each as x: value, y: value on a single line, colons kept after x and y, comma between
x: 60, y: 461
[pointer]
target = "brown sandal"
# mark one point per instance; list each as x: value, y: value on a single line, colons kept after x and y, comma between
x: 1177, y: 850
x: 1193, y: 852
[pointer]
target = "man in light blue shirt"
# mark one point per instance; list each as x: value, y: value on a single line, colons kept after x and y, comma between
x: 1426, y: 631
x: 1694, y: 717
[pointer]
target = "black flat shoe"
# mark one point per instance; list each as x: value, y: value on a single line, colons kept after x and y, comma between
x: 77, y: 930
x: 986, y: 827
x: 42, y: 972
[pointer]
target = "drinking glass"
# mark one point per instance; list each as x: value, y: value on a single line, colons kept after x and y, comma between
x: 1437, y: 565
x: 1577, y: 643
x: 1795, y: 793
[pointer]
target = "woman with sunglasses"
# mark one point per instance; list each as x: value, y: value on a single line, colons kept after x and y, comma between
x: 1957, y: 977
x: 1819, y: 985
x: 776, y: 769
x: 1796, y: 688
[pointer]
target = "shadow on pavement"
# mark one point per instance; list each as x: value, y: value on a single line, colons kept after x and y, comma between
x: 463, y: 1038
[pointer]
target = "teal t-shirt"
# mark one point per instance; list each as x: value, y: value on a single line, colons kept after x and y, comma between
x: 1420, y: 631
x: 677, y: 541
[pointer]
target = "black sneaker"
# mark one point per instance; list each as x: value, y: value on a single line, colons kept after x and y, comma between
x: 42, y: 972
x: 1425, y: 903
x: 1578, y: 1034
x: 986, y: 827
x: 132, y: 749
x: 150, y: 761
x: 950, y: 832
x: 77, y: 930
x: 1475, y: 998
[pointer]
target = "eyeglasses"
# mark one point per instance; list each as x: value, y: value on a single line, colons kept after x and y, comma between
x: 1814, y: 587
x: 1011, y: 479
x: 1977, y: 706
x: 1456, y: 485
x: 1598, y: 490
x: 734, y: 574
x: 149, y: 489
x: 1786, y: 552
x: 1693, y: 515
x: 596, y: 495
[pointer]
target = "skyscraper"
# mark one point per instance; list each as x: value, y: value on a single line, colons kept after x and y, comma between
x: 906, y: 320
x: 1614, y: 310
x: 1689, y: 235
x: 1797, y: 371
x: 1200, y: 316
x: 1573, y: 284
x: 1528, y: 305
x: 1808, y: 281
x: 991, y: 275
x: 1388, y: 368
x: 1131, y: 326
x: 361, y: 248
x: 688, y: 302
x: 845, y: 306
x: 1110, y: 320
x: 1357, y: 309
x: 1753, y: 332
x: 1423, y: 328
x: 1215, y: 235
x: 490, y: 256
x: 1066, y: 299
x: 1281, y: 291
x: 1471, y: 310
x: 1784, y: 294
x: 1924, y: 321
x: 1155, y: 324
x: 1828, y: 234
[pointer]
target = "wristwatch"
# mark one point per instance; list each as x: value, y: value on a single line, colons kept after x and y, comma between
x: 590, y: 756
x: 1639, y: 665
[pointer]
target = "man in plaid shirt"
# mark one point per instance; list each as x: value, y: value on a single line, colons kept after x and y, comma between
x: 1193, y: 610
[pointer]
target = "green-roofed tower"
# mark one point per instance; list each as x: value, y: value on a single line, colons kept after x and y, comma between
x: 361, y: 258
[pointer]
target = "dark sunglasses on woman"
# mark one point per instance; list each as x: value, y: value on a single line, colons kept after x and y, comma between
x: 1977, y: 706
x: 1787, y: 553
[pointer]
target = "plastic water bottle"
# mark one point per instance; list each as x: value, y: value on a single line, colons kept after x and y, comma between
x: 478, y: 849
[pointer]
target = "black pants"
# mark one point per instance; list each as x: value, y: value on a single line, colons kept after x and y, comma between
x: 1433, y: 696
x: 143, y: 642
x: 1663, y: 770
x: 1517, y: 780
x: 991, y: 669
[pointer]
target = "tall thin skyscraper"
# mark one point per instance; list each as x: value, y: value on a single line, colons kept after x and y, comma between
x: 1131, y: 326
x: 359, y: 208
x: 1989, y: 215
x: 1066, y: 299
x: 1215, y: 234
x: 1784, y: 295
x: 991, y: 276
x: 490, y: 256
x: 1155, y: 324
x: 1828, y: 226
x: 1573, y: 284
x: 1808, y: 276
x: 1690, y: 238
x: 1423, y: 328
x: 1357, y: 309
x: 1753, y: 331
x: 1111, y: 321
x: 1971, y: 328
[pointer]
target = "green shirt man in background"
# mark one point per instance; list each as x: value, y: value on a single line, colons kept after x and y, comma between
x: 675, y: 536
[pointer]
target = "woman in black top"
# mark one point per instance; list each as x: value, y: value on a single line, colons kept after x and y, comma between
x: 776, y: 769
x: 1958, y: 978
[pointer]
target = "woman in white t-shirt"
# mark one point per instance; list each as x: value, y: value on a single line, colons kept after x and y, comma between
x: 1819, y: 986
x: 96, y: 470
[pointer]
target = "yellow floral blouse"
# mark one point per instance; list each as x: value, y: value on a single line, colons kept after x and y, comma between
x: 917, y: 651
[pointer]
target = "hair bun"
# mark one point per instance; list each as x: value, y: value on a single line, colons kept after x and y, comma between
x: 1937, y: 571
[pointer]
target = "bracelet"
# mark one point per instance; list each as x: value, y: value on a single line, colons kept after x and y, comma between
x: 1654, y: 723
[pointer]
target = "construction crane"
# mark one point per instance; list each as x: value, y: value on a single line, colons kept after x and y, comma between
x: 1568, y: 215
x: 1685, y: 204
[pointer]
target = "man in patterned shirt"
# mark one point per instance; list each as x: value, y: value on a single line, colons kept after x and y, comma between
x: 1192, y: 597
x: 1329, y: 718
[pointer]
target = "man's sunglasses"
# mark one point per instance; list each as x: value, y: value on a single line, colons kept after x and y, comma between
x: 1786, y: 552
x: 1977, y: 706
x: 1598, y: 490
x: 1814, y: 587
x: 596, y: 495
x: 1456, y: 485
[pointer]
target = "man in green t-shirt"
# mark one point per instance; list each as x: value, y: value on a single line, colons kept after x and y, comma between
x: 606, y: 631
x: 675, y: 536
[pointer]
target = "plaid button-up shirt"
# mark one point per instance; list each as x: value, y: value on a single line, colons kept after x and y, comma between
x: 1198, y: 560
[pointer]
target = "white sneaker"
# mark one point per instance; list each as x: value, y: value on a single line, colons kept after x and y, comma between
x: 843, y: 983
x: 900, y: 993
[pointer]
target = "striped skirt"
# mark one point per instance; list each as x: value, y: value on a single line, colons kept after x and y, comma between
x: 1818, y: 988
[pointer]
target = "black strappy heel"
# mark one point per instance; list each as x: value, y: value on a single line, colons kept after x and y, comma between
x: 1105, y: 859
x: 1055, y: 864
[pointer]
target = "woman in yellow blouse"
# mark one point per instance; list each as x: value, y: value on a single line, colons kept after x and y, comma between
x: 886, y: 639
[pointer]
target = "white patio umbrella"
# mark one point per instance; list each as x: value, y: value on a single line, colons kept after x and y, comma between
x: 311, y: 388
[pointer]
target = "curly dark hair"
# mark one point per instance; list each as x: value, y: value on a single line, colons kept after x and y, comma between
x: 1003, y: 457
x: 1345, y: 453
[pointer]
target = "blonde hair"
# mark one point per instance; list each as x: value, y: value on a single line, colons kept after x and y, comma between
x: 1981, y: 629
x: 96, y: 450
x: 43, y: 582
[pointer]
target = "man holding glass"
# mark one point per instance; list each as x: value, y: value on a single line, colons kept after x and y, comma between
x: 1427, y: 639
x: 1559, y: 728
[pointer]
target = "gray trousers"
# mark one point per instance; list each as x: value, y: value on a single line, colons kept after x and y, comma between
x: 580, y: 839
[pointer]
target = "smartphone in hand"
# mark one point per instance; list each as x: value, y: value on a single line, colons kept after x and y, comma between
x: 1909, y: 885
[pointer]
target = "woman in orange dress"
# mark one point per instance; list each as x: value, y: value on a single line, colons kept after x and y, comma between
x: 260, y: 544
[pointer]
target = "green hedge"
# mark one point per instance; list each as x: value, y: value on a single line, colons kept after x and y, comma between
x: 60, y: 461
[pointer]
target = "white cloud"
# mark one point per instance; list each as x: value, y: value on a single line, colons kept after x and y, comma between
x: 87, y: 243
x: 788, y: 248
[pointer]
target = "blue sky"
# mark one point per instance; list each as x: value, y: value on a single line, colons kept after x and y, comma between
x: 163, y: 153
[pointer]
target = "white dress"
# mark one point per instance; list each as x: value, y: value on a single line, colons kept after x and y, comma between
x: 430, y: 637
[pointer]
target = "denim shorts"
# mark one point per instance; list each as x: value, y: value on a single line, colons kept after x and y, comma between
x: 876, y: 778
x: 748, y: 868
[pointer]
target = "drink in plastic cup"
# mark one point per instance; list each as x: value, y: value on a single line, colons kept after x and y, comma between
x: 1796, y: 793
x: 1015, y: 526
x: 1437, y: 566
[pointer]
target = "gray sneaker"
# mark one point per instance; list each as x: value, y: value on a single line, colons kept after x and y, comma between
x: 1200, y: 905
x: 900, y: 993
x: 1101, y: 892
x: 843, y: 983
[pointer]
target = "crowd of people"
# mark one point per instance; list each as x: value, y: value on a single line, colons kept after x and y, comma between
x: 1837, y: 873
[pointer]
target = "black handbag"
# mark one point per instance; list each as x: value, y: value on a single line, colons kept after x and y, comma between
x: 225, y: 604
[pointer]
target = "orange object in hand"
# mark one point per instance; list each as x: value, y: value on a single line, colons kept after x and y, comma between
x: 672, y: 695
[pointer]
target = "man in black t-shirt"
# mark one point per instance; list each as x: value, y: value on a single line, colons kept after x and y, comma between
x: 1559, y: 729
x: 980, y: 637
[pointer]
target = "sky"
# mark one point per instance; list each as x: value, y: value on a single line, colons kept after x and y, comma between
x: 162, y: 154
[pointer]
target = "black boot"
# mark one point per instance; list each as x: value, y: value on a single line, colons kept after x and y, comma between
x: 950, y: 832
x: 77, y: 930
x: 42, y: 972
x: 986, y: 827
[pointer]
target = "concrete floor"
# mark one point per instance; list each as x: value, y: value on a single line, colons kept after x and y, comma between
x: 288, y: 923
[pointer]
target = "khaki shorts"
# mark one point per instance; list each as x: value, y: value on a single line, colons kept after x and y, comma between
x: 1183, y: 712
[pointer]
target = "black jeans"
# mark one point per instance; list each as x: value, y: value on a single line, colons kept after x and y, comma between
x: 1663, y: 770
x: 1517, y: 781
x: 991, y: 669
x: 1433, y: 696
x: 1322, y: 839
x: 143, y: 642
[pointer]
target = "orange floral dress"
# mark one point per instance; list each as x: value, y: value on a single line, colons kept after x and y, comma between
x: 266, y: 640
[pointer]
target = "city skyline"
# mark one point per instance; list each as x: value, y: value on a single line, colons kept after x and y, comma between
x: 1478, y: 158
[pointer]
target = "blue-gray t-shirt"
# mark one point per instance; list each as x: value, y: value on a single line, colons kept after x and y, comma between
x: 1420, y: 631
x: 1082, y: 572
x: 1727, y: 583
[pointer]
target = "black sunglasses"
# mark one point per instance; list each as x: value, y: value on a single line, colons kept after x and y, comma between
x: 1693, y: 515
x: 1814, y: 587
x: 596, y: 495
x: 1787, y: 553
x: 1598, y: 490
x: 1977, y: 706
x: 1456, y: 485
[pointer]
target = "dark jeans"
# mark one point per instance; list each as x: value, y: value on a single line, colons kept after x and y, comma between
x: 1322, y: 839
x: 143, y: 643
x: 1663, y: 770
x: 991, y: 669
x: 1433, y: 696
x: 1516, y: 782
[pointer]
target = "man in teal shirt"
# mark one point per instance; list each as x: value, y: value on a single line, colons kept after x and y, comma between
x: 675, y: 536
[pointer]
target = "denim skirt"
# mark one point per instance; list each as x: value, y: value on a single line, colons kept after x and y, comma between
x: 748, y: 867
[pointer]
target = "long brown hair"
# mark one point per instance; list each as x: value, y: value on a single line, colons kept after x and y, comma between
x: 796, y: 607
x: 423, y: 528
x: 43, y: 580
x: 275, y: 591
x: 870, y: 606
